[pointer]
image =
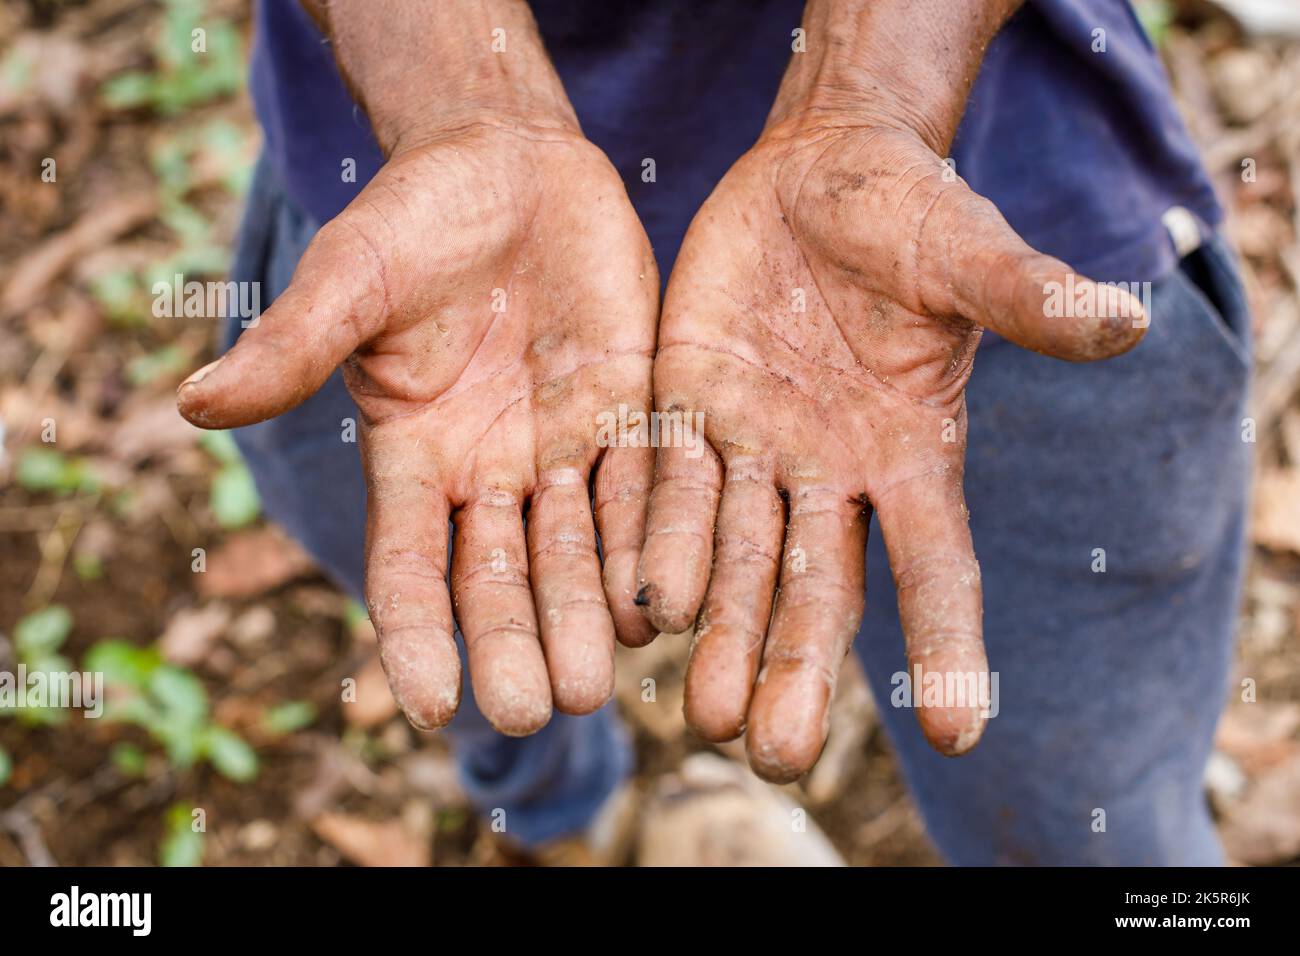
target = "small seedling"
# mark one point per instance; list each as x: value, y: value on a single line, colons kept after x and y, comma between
x: 37, y: 640
x: 170, y: 703
x: 233, y: 497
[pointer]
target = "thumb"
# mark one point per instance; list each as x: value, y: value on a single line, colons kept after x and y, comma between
x: 986, y: 273
x: 332, y: 306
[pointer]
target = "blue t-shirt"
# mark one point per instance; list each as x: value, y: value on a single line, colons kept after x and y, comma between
x: 1082, y: 151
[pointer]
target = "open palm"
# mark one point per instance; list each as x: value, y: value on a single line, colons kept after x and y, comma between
x: 490, y: 293
x: 824, y: 315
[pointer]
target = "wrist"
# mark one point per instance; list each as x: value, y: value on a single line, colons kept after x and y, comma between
x: 420, y: 69
x: 903, y: 64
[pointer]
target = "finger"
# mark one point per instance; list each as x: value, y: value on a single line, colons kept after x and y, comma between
x: 623, y: 482
x: 406, y: 583
x: 818, y: 610
x: 332, y: 306
x: 983, y: 271
x: 494, y: 605
x: 674, y: 567
x: 733, y: 623
x: 577, y: 632
x: 927, y: 536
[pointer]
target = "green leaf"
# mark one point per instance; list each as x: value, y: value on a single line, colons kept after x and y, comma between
x: 181, y: 845
x: 44, y: 469
x: 42, y: 632
x: 450, y: 820
x: 41, y: 716
x: 118, y: 294
x: 228, y: 752
x: 88, y: 566
x: 290, y: 716
x: 168, y: 360
x: 6, y: 766
x: 221, y: 446
x: 1156, y: 16
x: 128, y: 759
x: 186, y: 221
x: 129, y: 90
x: 354, y: 614
x: 170, y: 161
x: 183, y: 742
x: 181, y: 695
x: 234, y: 499
x: 122, y: 663
x: 16, y: 72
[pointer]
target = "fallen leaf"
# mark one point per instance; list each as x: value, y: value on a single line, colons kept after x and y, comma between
x: 191, y: 632
x: 1264, y: 827
x: 714, y: 812
x: 149, y: 428
x: 1259, y: 735
x: 374, y: 703
x: 253, y: 627
x: 108, y: 219
x: 57, y: 65
x: 252, y: 562
x: 1276, y: 521
x: 369, y: 843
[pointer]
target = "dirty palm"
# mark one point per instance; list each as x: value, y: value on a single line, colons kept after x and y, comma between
x: 824, y: 315
x: 491, y: 296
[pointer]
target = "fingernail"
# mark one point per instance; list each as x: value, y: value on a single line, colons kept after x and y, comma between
x: 200, y: 374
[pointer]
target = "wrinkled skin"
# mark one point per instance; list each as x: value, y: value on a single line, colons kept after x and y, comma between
x: 824, y: 314
x: 475, y: 413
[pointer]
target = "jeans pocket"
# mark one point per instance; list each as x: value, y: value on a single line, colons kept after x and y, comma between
x: 1209, y: 274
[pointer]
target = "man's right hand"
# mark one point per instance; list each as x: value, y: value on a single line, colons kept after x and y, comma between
x: 489, y: 294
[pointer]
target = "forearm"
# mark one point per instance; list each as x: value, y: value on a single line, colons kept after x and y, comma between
x: 418, y: 67
x: 899, y: 62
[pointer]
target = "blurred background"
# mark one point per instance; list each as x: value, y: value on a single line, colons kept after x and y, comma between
x: 226, y: 683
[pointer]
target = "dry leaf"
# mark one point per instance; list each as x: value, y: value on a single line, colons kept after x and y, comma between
x: 714, y: 812
x: 1259, y: 735
x: 252, y: 562
x: 374, y: 704
x: 1276, y: 521
x: 108, y: 219
x: 368, y: 843
x: 1264, y: 828
x: 190, y: 633
x: 149, y: 428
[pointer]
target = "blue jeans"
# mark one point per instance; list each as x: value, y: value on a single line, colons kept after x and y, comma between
x: 1110, y: 682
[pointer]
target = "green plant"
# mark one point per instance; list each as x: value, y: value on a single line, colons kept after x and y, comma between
x: 44, y: 469
x: 170, y: 360
x: 6, y: 766
x: 129, y: 759
x: 182, y: 845
x: 1155, y: 17
x: 183, y: 76
x: 126, y: 294
x: 87, y: 566
x: 37, y: 640
x: 289, y: 716
x: 233, y: 495
x: 169, y: 703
